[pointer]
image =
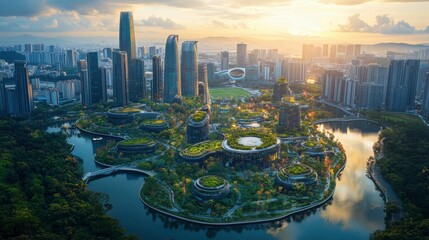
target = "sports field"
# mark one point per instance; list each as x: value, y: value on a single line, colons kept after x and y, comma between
x: 228, y: 92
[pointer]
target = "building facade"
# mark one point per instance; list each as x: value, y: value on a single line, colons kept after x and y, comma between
x: 172, y: 76
x: 189, y: 69
x: 120, y: 79
x: 157, y: 79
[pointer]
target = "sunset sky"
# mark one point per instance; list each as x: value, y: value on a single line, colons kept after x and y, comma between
x: 306, y: 20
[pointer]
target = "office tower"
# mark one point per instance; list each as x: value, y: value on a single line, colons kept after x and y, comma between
x: 52, y: 97
x: 157, y: 79
x: 241, y: 54
x: 211, y: 69
x: 24, y: 93
x: 94, y: 78
x: 189, y: 71
x: 307, y: 52
x: 203, y: 78
x: 401, y: 85
x: 278, y: 69
x: 253, y: 58
x: 127, y: 42
x: 84, y: 83
x: 224, y: 60
x: 273, y: 54
x: 104, y: 77
x: 329, y: 85
x: 172, y: 81
x: 120, y: 79
x: 421, y: 80
x: 11, y: 103
x: 3, y: 105
x: 107, y: 53
x: 139, y: 85
x: 152, y: 51
x: 70, y: 58
x: 142, y: 52
x: 325, y: 50
x: 425, y: 100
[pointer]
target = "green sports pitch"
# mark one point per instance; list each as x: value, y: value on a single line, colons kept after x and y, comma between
x: 228, y: 92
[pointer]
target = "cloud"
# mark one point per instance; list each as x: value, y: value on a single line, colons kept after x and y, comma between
x: 384, y: 24
x: 219, y: 24
x: 159, y: 22
x: 356, y: 2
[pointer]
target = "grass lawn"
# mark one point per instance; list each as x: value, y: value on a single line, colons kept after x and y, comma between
x: 228, y: 92
x: 398, y: 117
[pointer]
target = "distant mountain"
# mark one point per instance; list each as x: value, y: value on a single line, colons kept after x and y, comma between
x: 26, y: 38
x: 395, y: 47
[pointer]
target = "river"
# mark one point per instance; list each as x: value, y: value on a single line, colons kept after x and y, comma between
x: 355, y: 211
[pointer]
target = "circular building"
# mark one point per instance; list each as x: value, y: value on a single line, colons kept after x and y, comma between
x: 122, y: 115
x: 154, y: 125
x: 197, y: 127
x: 248, y: 116
x: 210, y: 187
x: 237, y: 74
x: 296, y: 173
x: 137, y: 146
x: 201, y: 151
x: 251, y: 148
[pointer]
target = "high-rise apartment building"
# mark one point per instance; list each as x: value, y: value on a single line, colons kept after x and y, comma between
x: 241, y: 54
x: 23, y: 90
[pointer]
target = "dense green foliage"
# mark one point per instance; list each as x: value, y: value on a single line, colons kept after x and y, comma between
x: 199, y: 116
x: 297, y: 169
x: 136, y: 141
x: 202, y: 148
x: 406, y: 167
x: 211, y: 181
x: 125, y: 110
x: 228, y: 92
x: 42, y: 195
x: 154, y: 121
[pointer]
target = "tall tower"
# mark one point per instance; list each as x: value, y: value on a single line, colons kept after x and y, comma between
x: 84, y: 83
x: 24, y: 93
x: 241, y: 54
x: 172, y: 80
x: 401, y: 84
x: 127, y: 43
x: 157, y: 79
x: 189, y: 71
x: 140, y: 79
x: 224, y: 60
x: 94, y: 77
x: 120, y: 79
x: 3, y: 106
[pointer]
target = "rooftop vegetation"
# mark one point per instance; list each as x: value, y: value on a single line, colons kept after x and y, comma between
x: 136, y: 141
x: 268, y: 139
x: 125, y: 110
x: 297, y: 169
x: 247, y: 114
x: 211, y: 181
x: 202, y: 148
x: 154, y: 121
x: 198, y: 116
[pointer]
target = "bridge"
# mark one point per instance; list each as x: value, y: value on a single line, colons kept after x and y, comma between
x: 113, y: 169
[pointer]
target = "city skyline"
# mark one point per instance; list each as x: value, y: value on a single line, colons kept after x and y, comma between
x: 334, y: 21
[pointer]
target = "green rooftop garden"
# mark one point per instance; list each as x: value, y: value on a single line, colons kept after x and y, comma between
x: 211, y: 181
x: 202, y: 148
x: 297, y: 169
x: 247, y: 114
x: 136, y: 141
x: 125, y: 110
x: 198, y: 116
x: 282, y: 80
x: 268, y: 139
x: 154, y: 121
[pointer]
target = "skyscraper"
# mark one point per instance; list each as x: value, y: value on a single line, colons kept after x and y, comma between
x: 425, y: 100
x: 24, y: 93
x: 140, y: 83
x: 71, y: 58
x: 120, y: 78
x: 401, y: 84
x: 224, y: 60
x: 94, y: 78
x: 203, y: 78
x: 157, y: 79
x: 172, y: 80
x: 241, y: 54
x: 189, y: 71
x: 84, y: 83
x: 3, y: 108
x: 127, y: 43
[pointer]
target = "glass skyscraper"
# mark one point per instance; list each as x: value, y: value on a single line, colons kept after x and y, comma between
x: 241, y: 54
x: 127, y: 41
x: 157, y: 79
x: 94, y: 76
x: 189, y: 71
x: 24, y: 93
x: 172, y: 81
x: 120, y: 79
